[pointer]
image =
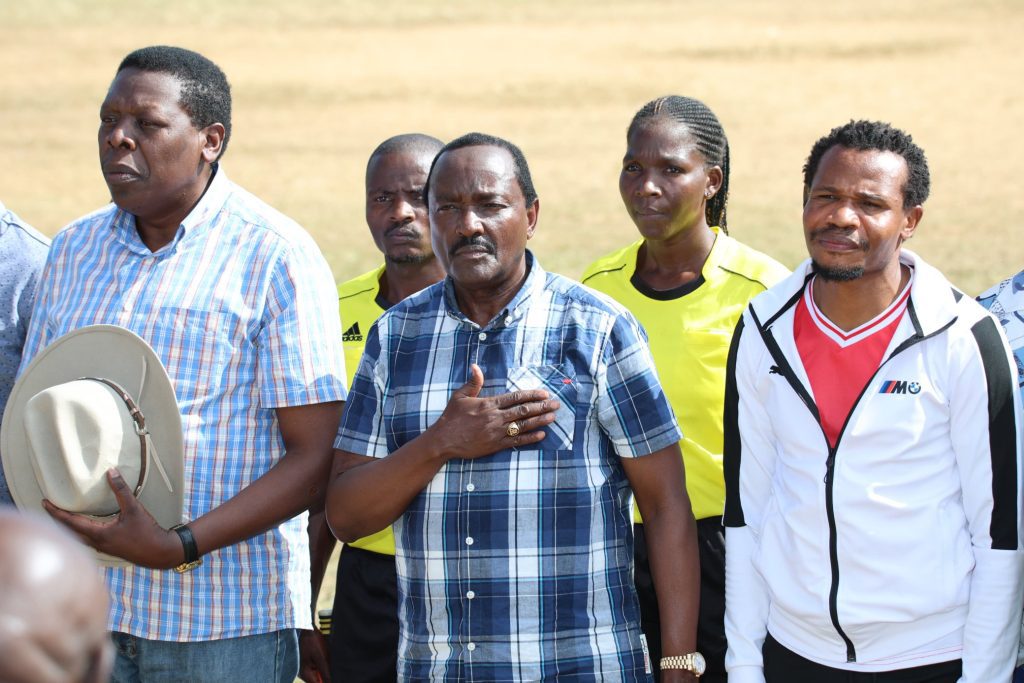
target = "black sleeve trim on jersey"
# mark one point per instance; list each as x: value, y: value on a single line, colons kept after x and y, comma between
x: 352, y: 294
x: 1002, y: 434
x: 609, y: 269
x: 748, y: 278
x: 731, y: 445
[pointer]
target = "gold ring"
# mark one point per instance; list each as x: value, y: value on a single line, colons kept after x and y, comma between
x: 512, y: 429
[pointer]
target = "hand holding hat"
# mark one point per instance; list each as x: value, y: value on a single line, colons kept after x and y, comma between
x: 133, y: 534
x: 92, y: 434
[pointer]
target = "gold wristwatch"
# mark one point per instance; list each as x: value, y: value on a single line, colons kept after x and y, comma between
x: 693, y: 662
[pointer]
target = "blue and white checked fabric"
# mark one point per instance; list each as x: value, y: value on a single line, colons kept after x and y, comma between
x: 22, y: 255
x: 1006, y: 302
x: 517, y: 566
x: 241, y: 308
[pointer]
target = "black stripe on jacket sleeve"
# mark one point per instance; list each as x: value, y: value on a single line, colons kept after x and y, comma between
x: 731, y: 447
x: 1002, y: 435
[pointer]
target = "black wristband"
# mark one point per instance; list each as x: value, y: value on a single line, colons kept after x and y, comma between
x: 188, y: 542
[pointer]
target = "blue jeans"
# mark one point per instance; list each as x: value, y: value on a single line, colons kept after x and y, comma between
x: 267, y: 657
x: 1018, y: 675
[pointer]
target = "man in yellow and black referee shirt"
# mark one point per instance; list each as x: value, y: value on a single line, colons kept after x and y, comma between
x: 363, y: 643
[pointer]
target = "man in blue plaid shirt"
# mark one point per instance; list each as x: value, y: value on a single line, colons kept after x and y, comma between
x: 500, y: 419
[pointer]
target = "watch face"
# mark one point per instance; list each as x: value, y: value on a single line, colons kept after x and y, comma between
x: 699, y: 664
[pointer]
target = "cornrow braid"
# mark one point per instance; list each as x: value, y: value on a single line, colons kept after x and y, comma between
x: 711, y: 142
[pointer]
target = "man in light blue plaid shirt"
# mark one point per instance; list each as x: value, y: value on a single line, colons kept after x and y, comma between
x: 240, y: 306
x: 500, y: 418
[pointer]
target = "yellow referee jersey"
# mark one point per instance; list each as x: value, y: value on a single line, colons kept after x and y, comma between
x: 358, y: 301
x: 689, y: 330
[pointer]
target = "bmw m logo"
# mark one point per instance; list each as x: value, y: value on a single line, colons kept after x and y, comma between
x: 895, y: 386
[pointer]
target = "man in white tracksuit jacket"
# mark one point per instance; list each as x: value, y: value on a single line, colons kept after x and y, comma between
x: 872, y: 449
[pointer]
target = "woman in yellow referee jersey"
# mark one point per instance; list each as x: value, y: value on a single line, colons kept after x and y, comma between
x: 687, y: 282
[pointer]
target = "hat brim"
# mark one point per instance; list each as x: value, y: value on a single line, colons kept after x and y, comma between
x: 120, y: 355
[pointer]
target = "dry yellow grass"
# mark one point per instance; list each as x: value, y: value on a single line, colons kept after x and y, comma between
x: 318, y: 83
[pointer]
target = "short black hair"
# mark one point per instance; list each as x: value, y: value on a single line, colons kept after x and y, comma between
x: 405, y: 143
x: 875, y: 135
x: 522, y: 169
x: 709, y: 135
x: 205, y: 93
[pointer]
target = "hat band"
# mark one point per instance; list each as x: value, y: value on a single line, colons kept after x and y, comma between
x: 140, y: 427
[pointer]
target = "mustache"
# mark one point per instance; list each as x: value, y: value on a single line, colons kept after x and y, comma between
x: 835, y: 231
x: 403, y: 228
x: 474, y: 241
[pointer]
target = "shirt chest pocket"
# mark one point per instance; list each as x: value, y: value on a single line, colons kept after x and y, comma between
x: 560, y: 383
x: 197, y: 347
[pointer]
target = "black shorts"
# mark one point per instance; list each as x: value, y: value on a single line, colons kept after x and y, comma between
x: 711, y: 619
x: 364, y: 623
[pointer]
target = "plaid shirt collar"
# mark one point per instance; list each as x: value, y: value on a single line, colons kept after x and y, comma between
x: 198, y: 219
x: 516, y: 308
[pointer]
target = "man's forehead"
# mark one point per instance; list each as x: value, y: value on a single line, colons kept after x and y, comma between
x: 146, y: 88
x: 478, y: 169
x: 871, y: 166
x: 404, y: 162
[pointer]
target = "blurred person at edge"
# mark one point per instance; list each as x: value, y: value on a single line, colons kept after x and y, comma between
x: 1006, y: 302
x: 498, y: 419
x: 22, y: 255
x: 239, y: 304
x: 363, y: 643
x: 872, y: 449
x: 52, y: 629
x: 687, y: 282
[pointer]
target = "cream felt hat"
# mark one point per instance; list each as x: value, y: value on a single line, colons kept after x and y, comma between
x: 94, y: 399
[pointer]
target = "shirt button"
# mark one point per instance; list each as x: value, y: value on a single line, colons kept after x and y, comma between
x: 471, y: 647
x: 471, y: 487
x: 470, y: 595
x: 469, y: 540
x: 482, y: 336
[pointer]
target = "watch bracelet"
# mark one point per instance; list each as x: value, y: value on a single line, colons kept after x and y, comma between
x: 677, y: 662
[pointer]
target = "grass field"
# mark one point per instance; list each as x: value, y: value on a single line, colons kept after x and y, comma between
x: 318, y: 83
